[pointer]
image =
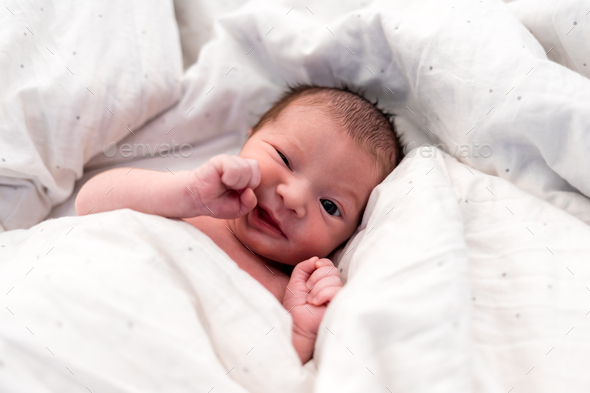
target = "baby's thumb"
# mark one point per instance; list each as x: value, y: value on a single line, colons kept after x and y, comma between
x: 248, y: 200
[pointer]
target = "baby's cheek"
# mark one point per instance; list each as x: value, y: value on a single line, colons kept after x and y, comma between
x: 318, y: 241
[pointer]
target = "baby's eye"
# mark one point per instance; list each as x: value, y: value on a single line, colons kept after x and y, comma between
x: 330, y: 207
x: 284, y: 158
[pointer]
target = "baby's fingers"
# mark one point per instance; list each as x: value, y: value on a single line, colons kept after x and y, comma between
x: 324, y: 295
x: 305, y: 268
x: 256, y: 176
x: 328, y: 281
x: 249, y: 201
x: 236, y: 173
x: 239, y: 173
x: 325, y: 269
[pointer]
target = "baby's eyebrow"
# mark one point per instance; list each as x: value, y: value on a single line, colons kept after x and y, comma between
x: 293, y: 142
x: 351, y: 198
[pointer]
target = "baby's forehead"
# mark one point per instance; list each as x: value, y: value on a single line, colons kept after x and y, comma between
x: 303, y: 109
x: 296, y: 119
x: 312, y: 130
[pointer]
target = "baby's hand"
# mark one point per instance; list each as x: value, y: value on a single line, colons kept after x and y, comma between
x: 313, y: 284
x: 223, y: 186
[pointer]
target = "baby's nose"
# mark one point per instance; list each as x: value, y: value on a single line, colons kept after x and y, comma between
x: 299, y: 211
x: 294, y: 198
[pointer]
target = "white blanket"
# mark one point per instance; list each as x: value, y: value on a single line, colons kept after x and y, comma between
x: 468, y: 274
x: 126, y: 302
x: 121, y: 301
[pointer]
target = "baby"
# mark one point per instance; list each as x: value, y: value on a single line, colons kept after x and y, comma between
x: 296, y: 191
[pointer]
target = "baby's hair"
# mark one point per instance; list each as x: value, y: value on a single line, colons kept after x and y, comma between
x: 367, y: 124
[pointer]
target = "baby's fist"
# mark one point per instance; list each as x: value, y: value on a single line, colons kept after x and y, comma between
x: 312, y: 286
x: 224, y: 186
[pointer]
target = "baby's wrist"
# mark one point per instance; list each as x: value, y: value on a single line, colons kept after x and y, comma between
x: 195, y: 206
x: 304, y: 343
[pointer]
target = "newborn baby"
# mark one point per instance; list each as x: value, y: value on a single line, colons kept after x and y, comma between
x: 296, y: 191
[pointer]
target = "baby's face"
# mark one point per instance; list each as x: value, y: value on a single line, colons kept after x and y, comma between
x: 315, y: 183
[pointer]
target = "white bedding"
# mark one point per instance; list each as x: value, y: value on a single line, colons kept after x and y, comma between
x: 76, y: 76
x: 150, y: 304
x: 494, y: 285
x: 467, y: 274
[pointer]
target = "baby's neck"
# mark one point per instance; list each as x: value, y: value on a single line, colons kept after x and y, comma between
x: 272, y: 275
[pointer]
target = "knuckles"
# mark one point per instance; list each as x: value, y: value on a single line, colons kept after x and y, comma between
x: 236, y: 169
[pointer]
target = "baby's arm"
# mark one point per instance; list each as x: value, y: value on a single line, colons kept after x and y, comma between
x: 143, y: 190
x: 312, y: 285
x: 222, y: 187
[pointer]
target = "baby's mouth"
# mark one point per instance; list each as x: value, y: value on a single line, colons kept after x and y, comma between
x: 263, y: 214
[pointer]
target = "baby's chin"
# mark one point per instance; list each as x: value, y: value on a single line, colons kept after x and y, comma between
x: 284, y: 258
x: 275, y: 254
